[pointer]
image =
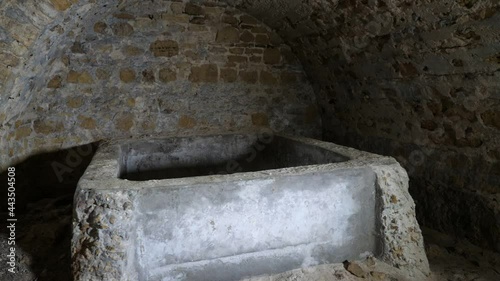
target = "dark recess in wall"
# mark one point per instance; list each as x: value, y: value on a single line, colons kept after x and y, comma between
x: 45, y: 184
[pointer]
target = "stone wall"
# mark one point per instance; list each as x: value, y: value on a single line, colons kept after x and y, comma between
x: 166, y: 67
x: 418, y: 80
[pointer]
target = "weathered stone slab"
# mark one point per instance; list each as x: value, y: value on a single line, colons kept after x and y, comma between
x: 231, y: 206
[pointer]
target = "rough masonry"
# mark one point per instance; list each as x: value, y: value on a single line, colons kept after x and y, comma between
x: 418, y: 80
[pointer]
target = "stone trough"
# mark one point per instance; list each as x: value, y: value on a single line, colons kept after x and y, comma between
x: 231, y: 206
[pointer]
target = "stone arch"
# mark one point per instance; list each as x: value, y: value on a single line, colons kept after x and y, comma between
x: 114, y: 70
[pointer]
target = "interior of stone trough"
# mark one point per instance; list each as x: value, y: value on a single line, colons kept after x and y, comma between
x: 216, y: 155
x: 418, y: 81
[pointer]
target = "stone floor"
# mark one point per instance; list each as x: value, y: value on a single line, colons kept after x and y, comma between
x: 43, y: 238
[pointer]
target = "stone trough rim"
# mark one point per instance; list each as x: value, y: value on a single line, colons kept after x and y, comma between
x: 401, y: 238
x: 107, y: 159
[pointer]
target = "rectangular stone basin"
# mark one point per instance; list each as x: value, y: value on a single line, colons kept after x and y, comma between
x: 230, y: 206
x: 210, y: 155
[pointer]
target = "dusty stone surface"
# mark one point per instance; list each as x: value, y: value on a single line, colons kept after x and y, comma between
x: 417, y: 80
x: 101, y: 195
x: 44, y: 234
x: 449, y: 258
x: 48, y: 259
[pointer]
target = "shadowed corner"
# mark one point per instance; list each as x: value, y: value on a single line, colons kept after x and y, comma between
x: 45, y: 184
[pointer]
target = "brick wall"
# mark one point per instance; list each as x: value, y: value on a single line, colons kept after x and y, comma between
x: 168, y: 67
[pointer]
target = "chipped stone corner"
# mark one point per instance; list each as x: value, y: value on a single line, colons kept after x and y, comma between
x: 101, y: 247
x: 403, y: 243
x: 101, y: 254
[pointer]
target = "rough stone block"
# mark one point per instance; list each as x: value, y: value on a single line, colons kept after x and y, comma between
x: 228, y: 74
x: 127, y: 75
x: 228, y: 35
x: 176, y: 18
x: 9, y: 59
x: 124, y: 122
x: 275, y: 39
x: 272, y: 56
x: 229, y: 20
x: 311, y: 114
x: 176, y: 7
x: 124, y: 16
x: 260, y: 119
x: 122, y: 29
x: 87, y: 122
x: 62, y: 5
x: 204, y: 73
x: 187, y: 122
x: 254, y: 51
x: 268, y: 78
x: 491, y: 118
x: 246, y: 19
x: 225, y: 207
x: 167, y: 75
x: 132, y: 50
x: 100, y: 27
x: 197, y: 21
x: 249, y: 76
x: 79, y: 77
x: 22, y: 132
x: 78, y: 48
x: 102, y: 74
x: 262, y: 39
x: 247, y: 36
x: 55, y: 82
x: 255, y: 59
x: 148, y: 76
x: 236, y: 51
x: 237, y: 59
x: 46, y: 127
x: 288, y: 77
x: 217, y: 49
x: 164, y: 48
x: 259, y: 29
x: 74, y: 102
x: 193, y: 9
